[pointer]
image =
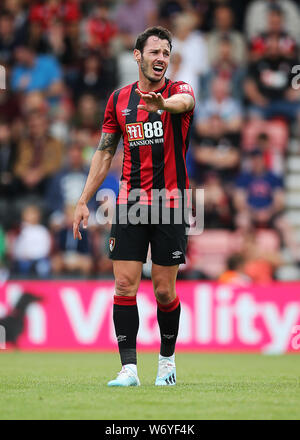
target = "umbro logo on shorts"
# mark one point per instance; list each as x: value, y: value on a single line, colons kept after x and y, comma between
x: 176, y: 254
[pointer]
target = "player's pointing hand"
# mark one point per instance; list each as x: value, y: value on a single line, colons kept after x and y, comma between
x: 153, y: 101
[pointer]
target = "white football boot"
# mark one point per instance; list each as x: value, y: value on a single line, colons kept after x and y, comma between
x: 126, y: 378
x: 166, y: 375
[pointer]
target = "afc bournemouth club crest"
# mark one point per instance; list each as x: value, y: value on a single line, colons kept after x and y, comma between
x: 112, y: 242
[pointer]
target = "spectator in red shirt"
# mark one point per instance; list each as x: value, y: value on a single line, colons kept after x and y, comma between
x: 43, y: 13
x: 99, y: 29
x: 276, y: 28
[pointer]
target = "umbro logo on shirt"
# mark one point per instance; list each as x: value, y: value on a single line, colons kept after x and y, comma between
x: 126, y: 112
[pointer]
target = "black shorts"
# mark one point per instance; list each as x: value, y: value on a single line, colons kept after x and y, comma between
x: 131, y: 241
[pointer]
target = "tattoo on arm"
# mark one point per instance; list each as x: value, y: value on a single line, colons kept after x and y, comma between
x: 109, y: 142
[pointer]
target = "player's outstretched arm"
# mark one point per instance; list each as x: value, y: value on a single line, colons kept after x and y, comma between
x: 178, y: 103
x: 99, y: 168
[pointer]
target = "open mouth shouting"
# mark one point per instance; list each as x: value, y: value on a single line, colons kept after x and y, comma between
x: 158, y: 69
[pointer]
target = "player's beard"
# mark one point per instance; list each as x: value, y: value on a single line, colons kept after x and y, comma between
x: 145, y: 67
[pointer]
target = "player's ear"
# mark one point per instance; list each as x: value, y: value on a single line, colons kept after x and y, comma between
x: 137, y: 55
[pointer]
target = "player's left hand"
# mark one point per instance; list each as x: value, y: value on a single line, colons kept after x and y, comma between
x: 153, y: 101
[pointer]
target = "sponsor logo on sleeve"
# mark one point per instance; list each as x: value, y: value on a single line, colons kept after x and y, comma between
x: 185, y: 88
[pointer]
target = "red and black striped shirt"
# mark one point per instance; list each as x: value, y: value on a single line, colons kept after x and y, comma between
x: 155, y: 144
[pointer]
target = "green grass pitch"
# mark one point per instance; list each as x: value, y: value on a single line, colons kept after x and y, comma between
x: 209, y: 386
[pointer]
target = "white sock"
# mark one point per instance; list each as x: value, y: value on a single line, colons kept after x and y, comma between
x: 172, y: 358
x: 132, y: 367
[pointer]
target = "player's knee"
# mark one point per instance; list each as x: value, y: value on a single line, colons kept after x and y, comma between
x: 125, y: 287
x: 163, y: 295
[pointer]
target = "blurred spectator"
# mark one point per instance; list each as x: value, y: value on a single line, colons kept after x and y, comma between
x: 57, y: 43
x: 66, y: 184
x: 71, y: 255
x: 36, y: 72
x: 217, y: 126
x: 273, y: 159
x: 126, y: 65
x: 88, y: 115
x: 217, y: 152
x: 235, y: 272
x: 276, y: 28
x: 224, y: 67
x: 268, y: 85
x: 32, y: 245
x: 259, y: 201
x: 217, y: 212
x: 17, y: 10
x: 34, y: 102
x: 8, y: 37
x: 220, y: 104
x: 259, y: 193
x: 61, y: 119
x: 9, y: 106
x: 7, y: 162
x: 7, y: 179
x: 38, y: 155
x: 87, y: 140
x: 134, y: 16
x: 45, y: 12
x: 94, y: 78
x: 189, y: 55
x: 168, y: 9
x: 223, y: 27
x: 260, y: 263
x: 257, y: 17
x: 98, y: 30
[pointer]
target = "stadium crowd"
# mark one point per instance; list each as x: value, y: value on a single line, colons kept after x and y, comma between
x: 63, y: 58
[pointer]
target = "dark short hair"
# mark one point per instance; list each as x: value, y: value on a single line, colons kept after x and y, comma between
x: 157, y: 31
x: 275, y: 9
